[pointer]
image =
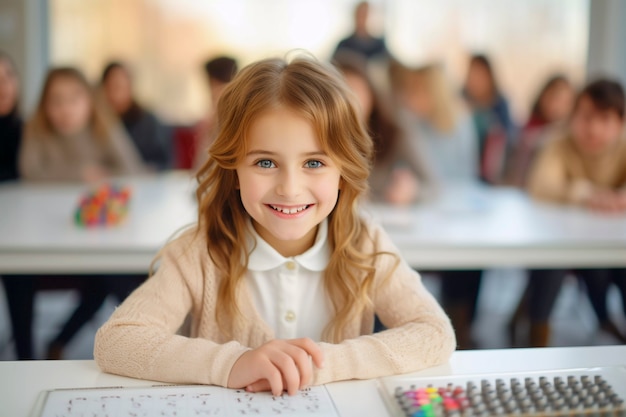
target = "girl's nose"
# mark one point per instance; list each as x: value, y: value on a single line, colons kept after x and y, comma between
x: 289, y: 183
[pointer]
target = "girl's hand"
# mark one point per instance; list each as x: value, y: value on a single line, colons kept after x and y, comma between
x: 607, y: 202
x: 277, y: 366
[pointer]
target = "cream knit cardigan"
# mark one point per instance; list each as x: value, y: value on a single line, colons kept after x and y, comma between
x: 140, y: 339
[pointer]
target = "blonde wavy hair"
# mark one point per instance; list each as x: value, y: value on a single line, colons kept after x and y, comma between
x: 316, y: 92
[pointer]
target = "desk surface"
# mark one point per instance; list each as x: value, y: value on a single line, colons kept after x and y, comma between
x: 464, y: 227
x: 38, y: 233
x: 473, y: 226
x: 21, y: 382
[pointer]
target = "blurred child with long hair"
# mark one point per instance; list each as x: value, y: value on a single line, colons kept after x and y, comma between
x: 71, y: 138
x: 398, y: 173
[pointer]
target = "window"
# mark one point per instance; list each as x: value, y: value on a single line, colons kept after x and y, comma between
x: 166, y: 41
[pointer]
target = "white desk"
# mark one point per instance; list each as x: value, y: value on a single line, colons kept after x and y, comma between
x: 38, y: 233
x: 475, y: 226
x: 465, y: 227
x: 21, y: 382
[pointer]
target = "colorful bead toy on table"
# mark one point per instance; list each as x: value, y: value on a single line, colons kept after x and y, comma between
x: 576, y: 396
x: 107, y: 205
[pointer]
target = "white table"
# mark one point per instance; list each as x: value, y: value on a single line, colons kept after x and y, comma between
x: 473, y: 226
x: 464, y: 227
x: 38, y: 233
x: 22, y: 382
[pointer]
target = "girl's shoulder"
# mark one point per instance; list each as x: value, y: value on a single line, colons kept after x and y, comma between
x: 187, y: 245
x: 375, y: 238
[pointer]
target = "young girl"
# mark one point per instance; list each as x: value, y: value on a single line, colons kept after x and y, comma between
x: 70, y: 138
x: 280, y: 267
x: 441, y: 125
x: 444, y: 133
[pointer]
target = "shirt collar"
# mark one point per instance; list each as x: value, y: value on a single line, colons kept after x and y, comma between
x: 263, y: 257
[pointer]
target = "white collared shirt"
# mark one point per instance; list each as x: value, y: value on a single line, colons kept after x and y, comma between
x: 289, y: 293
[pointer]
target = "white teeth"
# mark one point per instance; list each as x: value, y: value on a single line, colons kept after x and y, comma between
x: 290, y: 210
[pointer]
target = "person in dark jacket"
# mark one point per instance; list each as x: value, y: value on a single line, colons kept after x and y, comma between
x: 10, y: 120
x: 361, y: 41
x: 150, y: 136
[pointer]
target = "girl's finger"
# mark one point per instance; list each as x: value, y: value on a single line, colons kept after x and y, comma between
x: 302, y: 361
x: 312, y: 349
x: 275, y: 381
x: 262, y: 385
x: 285, y: 363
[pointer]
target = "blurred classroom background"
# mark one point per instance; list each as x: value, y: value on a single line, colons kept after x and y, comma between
x: 166, y: 43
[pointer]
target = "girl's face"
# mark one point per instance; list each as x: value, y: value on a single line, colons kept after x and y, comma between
x: 595, y: 130
x: 479, y: 83
x: 557, y: 101
x: 118, y: 90
x: 68, y: 106
x: 8, y: 88
x: 288, y: 184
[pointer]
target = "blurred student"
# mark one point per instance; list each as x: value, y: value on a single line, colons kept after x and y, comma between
x: 10, y: 120
x: 398, y: 172
x: 444, y: 132
x: 219, y: 72
x: 361, y: 41
x: 492, y: 119
x: 553, y: 103
x: 586, y: 167
x: 151, y: 138
x: 547, y: 117
x: 441, y: 125
x: 20, y: 310
x: 70, y: 137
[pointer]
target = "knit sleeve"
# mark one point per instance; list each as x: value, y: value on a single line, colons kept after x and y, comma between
x: 140, y: 340
x: 419, y: 333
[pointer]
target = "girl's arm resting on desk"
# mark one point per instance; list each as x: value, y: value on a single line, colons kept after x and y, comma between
x: 420, y: 334
x: 139, y: 339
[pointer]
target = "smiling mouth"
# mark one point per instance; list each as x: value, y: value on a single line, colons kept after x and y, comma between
x: 289, y: 210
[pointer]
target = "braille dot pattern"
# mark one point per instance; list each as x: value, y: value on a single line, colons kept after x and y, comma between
x: 579, y: 396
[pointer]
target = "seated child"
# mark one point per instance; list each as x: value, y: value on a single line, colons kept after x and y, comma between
x: 585, y: 167
x: 281, y: 275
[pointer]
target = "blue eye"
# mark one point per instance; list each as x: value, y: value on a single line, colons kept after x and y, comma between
x: 265, y: 163
x: 314, y: 164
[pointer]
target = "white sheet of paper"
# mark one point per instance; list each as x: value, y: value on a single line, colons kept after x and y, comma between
x: 183, y: 401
